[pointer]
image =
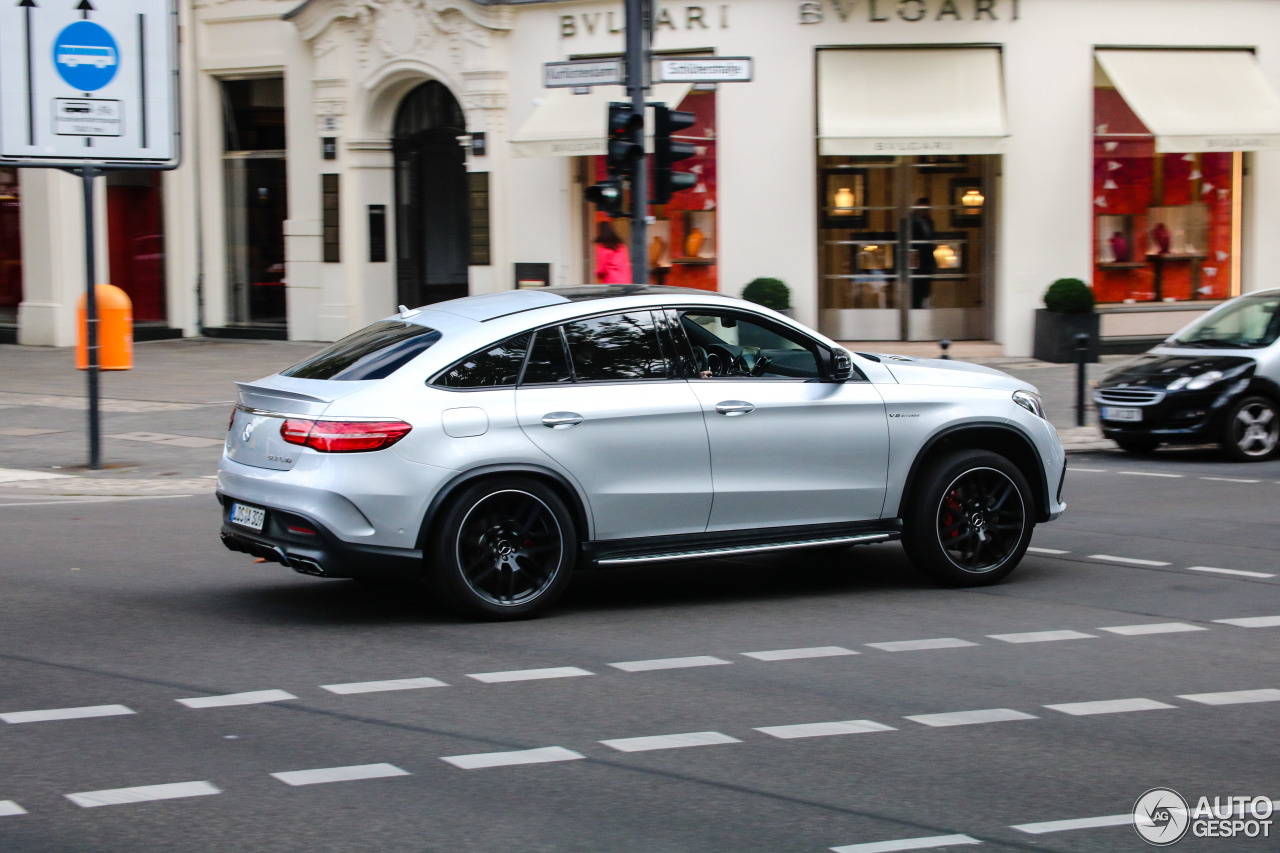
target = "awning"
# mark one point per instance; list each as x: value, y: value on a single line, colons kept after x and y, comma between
x: 569, y: 125
x: 919, y: 101
x: 1197, y: 100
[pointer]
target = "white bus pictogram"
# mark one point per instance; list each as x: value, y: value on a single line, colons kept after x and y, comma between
x: 99, y: 56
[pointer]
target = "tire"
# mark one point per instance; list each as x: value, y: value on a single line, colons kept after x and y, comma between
x: 1137, y: 445
x: 505, y: 549
x: 980, y: 505
x: 1251, y: 431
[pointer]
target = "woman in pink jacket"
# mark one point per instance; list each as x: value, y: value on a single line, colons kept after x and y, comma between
x: 613, y: 266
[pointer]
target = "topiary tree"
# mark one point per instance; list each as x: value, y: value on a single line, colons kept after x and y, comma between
x: 1069, y: 296
x: 769, y: 292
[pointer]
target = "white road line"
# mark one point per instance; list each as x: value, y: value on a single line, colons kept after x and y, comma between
x: 1075, y: 470
x: 529, y: 674
x: 1109, y: 706
x: 99, y: 500
x: 1154, y: 628
x: 668, y: 663
x: 1239, y: 572
x: 339, y: 774
x: 1252, y: 622
x: 543, y: 755
x: 844, y: 727
x: 8, y: 808
x: 65, y: 714
x: 380, y: 686
x: 969, y: 718
x: 1050, y: 551
x: 145, y: 793
x: 797, y: 654
x: 251, y: 698
x: 920, y: 645
x: 1235, y: 697
x: 907, y: 844
x: 1152, y: 474
x: 1130, y: 560
x: 646, y: 744
x: 1230, y: 480
x: 1078, y: 823
x: 1042, y: 636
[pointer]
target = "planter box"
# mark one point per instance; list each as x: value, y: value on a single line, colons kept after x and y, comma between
x: 1055, y: 338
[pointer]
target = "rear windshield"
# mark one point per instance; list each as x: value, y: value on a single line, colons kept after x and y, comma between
x: 374, y: 352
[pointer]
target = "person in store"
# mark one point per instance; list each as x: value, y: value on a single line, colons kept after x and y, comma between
x: 922, y: 229
x: 613, y: 265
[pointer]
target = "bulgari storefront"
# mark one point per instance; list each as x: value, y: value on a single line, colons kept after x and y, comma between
x: 912, y: 169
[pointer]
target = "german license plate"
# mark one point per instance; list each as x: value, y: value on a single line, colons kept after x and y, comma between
x: 1116, y: 413
x: 248, y: 516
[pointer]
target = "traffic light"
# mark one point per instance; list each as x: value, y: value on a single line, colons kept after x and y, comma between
x: 667, y: 151
x: 623, y: 150
x: 607, y: 196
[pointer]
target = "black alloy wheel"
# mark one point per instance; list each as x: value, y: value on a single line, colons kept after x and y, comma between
x: 971, y: 519
x: 1252, y: 429
x: 506, y: 549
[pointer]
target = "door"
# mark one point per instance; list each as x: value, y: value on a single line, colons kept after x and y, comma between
x: 786, y: 448
x: 597, y: 398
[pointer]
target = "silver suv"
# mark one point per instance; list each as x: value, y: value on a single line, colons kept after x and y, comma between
x: 493, y: 444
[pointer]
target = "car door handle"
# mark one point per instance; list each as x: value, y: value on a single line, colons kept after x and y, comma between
x: 733, y: 408
x: 561, y: 420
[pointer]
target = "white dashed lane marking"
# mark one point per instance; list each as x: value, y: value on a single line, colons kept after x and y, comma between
x: 1130, y: 560
x: 1238, y: 572
x: 797, y: 654
x: 252, y: 698
x: 1152, y: 474
x: 1252, y: 622
x: 1042, y: 636
x: 647, y: 744
x: 1229, y: 480
x: 970, y: 718
x: 1235, y: 697
x: 353, y: 773
x: 1109, y: 706
x: 1078, y: 823
x: 529, y: 674
x: 8, y: 808
x: 668, y: 663
x: 65, y: 714
x: 920, y: 645
x: 907, y: 844
x: 845, y: 727
x: 543, y: 755
x: 1055, y: 552
x: 381, y: 686
x: 145, y: 793
x: 1154, y: 628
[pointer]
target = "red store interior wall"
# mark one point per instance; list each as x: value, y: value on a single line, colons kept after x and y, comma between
x: 1129, y: 178
x: 135, y: 236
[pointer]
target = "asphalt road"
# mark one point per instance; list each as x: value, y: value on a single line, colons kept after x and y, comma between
x: 132, y: 609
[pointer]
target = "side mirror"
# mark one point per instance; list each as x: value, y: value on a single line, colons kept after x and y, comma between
x: 841, y: 365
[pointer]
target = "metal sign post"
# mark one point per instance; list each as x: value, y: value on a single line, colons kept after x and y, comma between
x: 637, y: 35
x: 85, y: 90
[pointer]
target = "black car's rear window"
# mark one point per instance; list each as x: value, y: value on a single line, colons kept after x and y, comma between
x: 374, y: 352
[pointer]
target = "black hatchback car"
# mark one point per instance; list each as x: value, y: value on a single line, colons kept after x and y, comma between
x: 1217, y: 380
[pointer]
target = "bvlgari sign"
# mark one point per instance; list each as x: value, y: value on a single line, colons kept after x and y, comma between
x: 912, y: 11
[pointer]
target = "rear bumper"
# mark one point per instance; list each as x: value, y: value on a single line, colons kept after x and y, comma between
x: 321, y: 553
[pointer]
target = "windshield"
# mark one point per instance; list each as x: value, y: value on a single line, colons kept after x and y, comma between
x: 374, y: 352
x: 1246, y: 323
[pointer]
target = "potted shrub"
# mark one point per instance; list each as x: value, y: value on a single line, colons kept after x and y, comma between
x: 769, y: 292
x: 1067, y: 312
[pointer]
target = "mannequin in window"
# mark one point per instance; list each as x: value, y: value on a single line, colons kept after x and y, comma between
x: 613, y: 266
x: 922, y: 229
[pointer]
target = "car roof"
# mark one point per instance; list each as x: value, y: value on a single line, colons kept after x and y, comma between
x: 490, y: 306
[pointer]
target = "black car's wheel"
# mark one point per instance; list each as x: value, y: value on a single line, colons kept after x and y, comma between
x: 970, y: 520
x: 1252, y: 429
x: 1130, y: 444
x: 505, y: 549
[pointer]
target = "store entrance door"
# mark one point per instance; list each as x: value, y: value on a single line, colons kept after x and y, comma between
x: 905, y: 253
x: 431, y: 197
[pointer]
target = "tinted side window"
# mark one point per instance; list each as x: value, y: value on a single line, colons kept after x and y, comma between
x: 619, y: 346
x: 738, y: 346
x: 374, y: 352
x: 548, y: 362
x: 490, y: 369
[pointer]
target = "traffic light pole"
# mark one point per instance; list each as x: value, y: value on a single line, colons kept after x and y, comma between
x: 637, y: 47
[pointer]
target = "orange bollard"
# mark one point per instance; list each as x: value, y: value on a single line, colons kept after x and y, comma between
x: 115, y: 330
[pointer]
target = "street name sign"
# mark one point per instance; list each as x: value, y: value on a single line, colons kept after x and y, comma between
x: 583, y: 72
x: 85, y: 85
x: 711, y: 69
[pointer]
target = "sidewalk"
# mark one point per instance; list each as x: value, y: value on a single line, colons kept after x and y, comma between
x: 164, y: 421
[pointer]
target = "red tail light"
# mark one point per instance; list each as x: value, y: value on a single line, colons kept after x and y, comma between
x: 343, y: 436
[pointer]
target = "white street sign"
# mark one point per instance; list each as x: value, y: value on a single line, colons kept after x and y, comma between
x: 583, y: 72
x: 89, y: 85
x: 712, y: 69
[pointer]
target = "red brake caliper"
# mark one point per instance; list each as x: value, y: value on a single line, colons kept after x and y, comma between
x: 951, y: 514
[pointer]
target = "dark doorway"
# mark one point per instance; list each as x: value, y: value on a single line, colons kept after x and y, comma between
x: 431, y: 197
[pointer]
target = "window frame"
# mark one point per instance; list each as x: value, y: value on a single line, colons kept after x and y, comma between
x: 434, y: 380
x: 655, y: 315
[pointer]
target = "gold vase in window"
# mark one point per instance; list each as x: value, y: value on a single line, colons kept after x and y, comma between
x: 693, y: 242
